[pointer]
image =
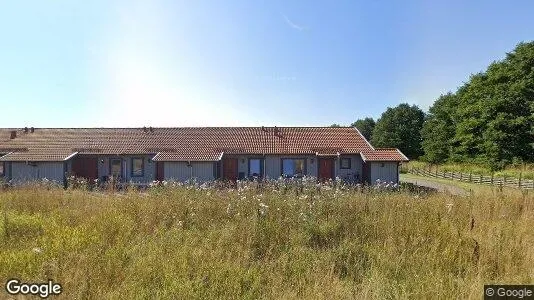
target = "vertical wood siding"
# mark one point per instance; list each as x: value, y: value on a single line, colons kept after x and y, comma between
x: 273, y: 164
x: 149, y: 166
x: 22, y: 172
x: 355, y: 166
x: 386, y: 173
x: 179, y: 171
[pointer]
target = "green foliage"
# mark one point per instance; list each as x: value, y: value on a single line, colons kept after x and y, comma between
x: 335, y: 125
x: 438, y: 129
x: 400, y: 127
x: 365, y: 126
x: 490, y: 119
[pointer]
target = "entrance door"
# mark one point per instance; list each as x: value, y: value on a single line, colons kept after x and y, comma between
x: 326, y: 169
x: 159, y: 171
x: 85, y: 167
x: 230, y: 169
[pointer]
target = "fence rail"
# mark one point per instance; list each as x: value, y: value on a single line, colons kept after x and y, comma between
x: 476, y: 178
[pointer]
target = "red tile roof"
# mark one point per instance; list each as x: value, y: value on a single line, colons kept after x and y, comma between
x: 182, y: 144
x: 5, y: 134
x: 384, y: 154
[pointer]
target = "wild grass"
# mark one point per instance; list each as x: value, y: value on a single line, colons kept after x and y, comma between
x: 526, y: 171
x: 253, y: 242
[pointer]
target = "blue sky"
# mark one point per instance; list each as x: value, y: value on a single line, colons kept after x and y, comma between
x: 241, y: 63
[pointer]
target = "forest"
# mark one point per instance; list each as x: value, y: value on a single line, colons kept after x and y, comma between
x: 487, y: 121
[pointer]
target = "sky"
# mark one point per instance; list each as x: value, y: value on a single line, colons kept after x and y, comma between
x: 135, y: 63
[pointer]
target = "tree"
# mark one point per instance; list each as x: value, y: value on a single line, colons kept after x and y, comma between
x: 439, y: 129
x: 490, y: 119
x: 400, y: 127
x: 365, y: 126
x: 335, y: 125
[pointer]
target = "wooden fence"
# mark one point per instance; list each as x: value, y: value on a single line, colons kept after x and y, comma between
x: 476, y: 178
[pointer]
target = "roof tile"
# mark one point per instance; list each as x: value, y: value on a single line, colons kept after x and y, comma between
x: 182, y: 143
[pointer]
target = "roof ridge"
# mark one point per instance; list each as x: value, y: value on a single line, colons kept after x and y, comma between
x: 179, y: 127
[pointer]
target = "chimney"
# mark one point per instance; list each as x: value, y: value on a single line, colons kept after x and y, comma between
x: 145, y: 129
x: 13, y: 134
x: 32, y: 130
x: 151, y: 129
x: 25, y: 129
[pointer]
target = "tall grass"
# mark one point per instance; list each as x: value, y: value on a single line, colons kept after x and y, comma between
x: 255, y: 242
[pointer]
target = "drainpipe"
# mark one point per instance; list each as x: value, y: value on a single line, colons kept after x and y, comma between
x: 264, y: 171
x: 190, y: 170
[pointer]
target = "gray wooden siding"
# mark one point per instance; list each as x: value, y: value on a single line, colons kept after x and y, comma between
x: 273, y: 165
x: 386, y: 173
x: 149, y: 173
x: 179, y: 171
x: 22, y: 172
x: 7, y: 171
x: 355, y: 166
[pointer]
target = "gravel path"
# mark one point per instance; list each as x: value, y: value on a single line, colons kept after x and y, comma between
x: 442, y: 187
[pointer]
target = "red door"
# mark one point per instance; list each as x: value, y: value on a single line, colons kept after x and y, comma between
x: 230, y: 169
x: 326, y: 169
x: 85, y: 167
x: 159, y: 171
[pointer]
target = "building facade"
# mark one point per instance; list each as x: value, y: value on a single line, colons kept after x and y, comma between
x: 144, y: 155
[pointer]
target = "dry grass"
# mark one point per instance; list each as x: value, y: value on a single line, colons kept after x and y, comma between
x: 271, y: 243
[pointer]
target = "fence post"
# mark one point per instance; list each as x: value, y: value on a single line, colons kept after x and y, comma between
x: 492, y: 178
x: 436, y: 171
x: 480, y: 179
x: 504, y: 179
x: 470, y: 176
x: 461, y: 176
x: 519, y: 183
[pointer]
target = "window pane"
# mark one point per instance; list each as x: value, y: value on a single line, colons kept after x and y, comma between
x: 115, y: 167
x: 345, y: 163
x: 1, y: 168
x: 137, y: 169
x: 292, y: 167
x: 255, y: 167
x: 288, y: 167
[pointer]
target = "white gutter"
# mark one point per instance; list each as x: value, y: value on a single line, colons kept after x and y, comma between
x: 70, y: 156
x: 6, y: 155
x: 364, y: 138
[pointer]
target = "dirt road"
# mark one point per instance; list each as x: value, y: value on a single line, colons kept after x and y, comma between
x: 442, y: 187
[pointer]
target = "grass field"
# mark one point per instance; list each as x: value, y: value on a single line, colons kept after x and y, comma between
x: 526, y: 171
x: 271, y: 242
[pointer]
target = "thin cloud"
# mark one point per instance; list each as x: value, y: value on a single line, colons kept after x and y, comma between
x: 291, y: 24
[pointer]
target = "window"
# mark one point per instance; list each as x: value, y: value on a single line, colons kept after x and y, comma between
x: 255, y: 167
x: 293, y: 166
x: 1, y: 169
x: 116, y: 167
x: 138, y: 167
x: 345, y: 163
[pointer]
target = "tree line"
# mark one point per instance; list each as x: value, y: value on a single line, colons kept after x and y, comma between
x: 488, y: 120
